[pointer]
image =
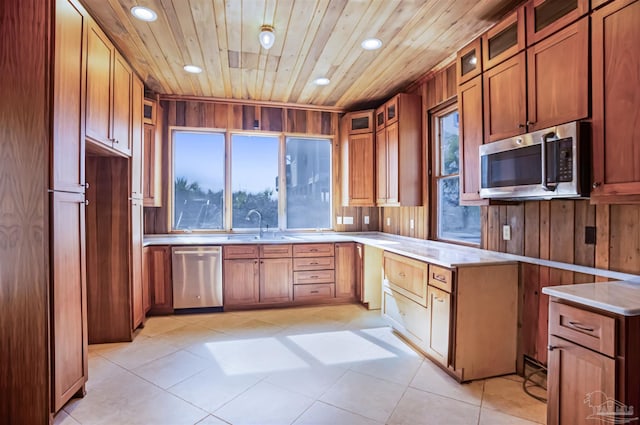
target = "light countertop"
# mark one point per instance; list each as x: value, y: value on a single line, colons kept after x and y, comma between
x: 615, y: 297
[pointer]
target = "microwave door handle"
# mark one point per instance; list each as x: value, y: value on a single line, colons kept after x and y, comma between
x: 543, y: 155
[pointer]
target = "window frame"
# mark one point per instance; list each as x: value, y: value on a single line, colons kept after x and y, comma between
x: 228, y: 195
x: 436, y: 162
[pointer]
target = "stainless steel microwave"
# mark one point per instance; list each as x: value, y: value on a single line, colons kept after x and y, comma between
x: 546, y: 164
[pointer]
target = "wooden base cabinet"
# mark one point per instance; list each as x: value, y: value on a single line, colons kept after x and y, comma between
x: 592, y: 365
x: 465, y: 319
x: 157, y: 275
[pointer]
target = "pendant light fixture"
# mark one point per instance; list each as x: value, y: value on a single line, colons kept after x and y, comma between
x: 267, y: 36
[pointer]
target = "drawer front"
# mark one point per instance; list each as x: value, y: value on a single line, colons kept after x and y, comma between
x: 407, y: 276
x: 441, y: 278
x: 406, y: 316
x: 313, y: 276
x: 233, y: 252
x: 313, y: 250
x: 275, y: 251
x: 586, y: 328
x: 313, y: 291
x: 312, y: 263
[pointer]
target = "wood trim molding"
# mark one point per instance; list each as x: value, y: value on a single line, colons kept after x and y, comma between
x: 251, y: 102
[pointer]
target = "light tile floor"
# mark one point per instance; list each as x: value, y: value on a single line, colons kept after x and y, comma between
x: 314, y: 365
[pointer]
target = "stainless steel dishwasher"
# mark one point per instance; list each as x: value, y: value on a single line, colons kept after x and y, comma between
x: 197, y: 277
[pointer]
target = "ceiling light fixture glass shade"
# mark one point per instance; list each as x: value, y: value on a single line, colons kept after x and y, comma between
x: 267, y: 37
x: 144, y: 13
x: 322, y: 81
x: 371, y: 44
x: 192, y: 69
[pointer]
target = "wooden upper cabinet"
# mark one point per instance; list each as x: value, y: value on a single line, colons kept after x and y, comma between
x: 399, y: 153
x: 597, y: 3
x: 558, y: 77
x: 100, y: 56
x: 504, y: 39
x: 471, y: 138
x: 152, y: 164
x: 381, y: 119
x: 67, y: 154
x: 358, y: 155
x: 381, y: 167
x: 469, y: 61
x: 361, y: 170
x: 545, y: 17
x: 122, y: 108
x: 360, y: 122
x: 505, y: 108
x: 616, y: 92
x: 109, y: 94
x: 137, y: 134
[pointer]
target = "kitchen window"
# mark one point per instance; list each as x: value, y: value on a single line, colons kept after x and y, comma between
x: 198, y: 180
x: 287, y: 180
x: 453, y: 222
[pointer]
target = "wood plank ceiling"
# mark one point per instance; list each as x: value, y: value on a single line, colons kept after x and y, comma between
x: 314, y: 38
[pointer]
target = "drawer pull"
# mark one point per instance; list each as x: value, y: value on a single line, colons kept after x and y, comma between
x: 313, y: 277
x: 577, y: 325
x: 440, y: 277
x: 401, y: 274
x: 313, y: 250
x: 315, y: 263
x: 314, y: 292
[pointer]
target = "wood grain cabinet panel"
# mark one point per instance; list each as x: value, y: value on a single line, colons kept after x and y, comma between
x: 471, y: 138
x: 558, y: 77
x: 313, y: 250
x: 504, y: 40
x: 361, y: 170
x: 276, y: 280
x: 439, y: 310
x: 100, y: 56
x: 157, y: 277
x: 616, y: 94
x: 137, y: 134
x: 360, y: 122
x: 122, y: 105
x: 67, y: 156
x: 591, y: 361
x: 545, y: 17
x: 505, y: 107
x: 137, y: 292
x: 469, y: 61
x: 241, y: 282
x: 109, y: 94
x: 398, y: 153
x: 152, y: 166
x: 346, y: 277
x: 68, y: 297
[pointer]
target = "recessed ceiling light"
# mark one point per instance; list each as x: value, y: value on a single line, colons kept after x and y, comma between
x: 371, y: 44
x: 193, y: 69
x: 322, y: 81
x: 144, y: 13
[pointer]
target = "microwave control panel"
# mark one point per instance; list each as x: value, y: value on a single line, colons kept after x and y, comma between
x: 561, y: 161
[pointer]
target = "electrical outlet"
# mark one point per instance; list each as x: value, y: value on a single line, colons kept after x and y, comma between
x: 411, y: 224
x: 506, y: 232
x: 347, y: 220
x: 388, y: 221
x: 366, y: 219
x: 339, y: 219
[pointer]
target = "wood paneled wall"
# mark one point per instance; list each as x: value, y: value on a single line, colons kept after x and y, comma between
x: 235, y: 116
x: 24, y: 164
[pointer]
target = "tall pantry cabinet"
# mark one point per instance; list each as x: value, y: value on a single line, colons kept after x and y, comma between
x: 68, y: 307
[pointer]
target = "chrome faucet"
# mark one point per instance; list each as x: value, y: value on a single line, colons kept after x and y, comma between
x: 248, y: 217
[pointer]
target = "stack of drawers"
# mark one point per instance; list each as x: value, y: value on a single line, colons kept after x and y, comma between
x: 313, y: 271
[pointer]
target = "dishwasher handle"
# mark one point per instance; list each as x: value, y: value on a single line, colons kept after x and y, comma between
x: 215, y: 251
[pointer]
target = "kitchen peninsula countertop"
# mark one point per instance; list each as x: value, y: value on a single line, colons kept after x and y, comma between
x: 616, y: 297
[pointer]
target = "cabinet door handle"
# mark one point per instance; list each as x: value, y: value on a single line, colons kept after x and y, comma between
x: 596, y: 185
x: 577, y: 325
x: 86, y: 202
x: 438, y: 299
x: 86, y: 185
x: 551, y: 347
